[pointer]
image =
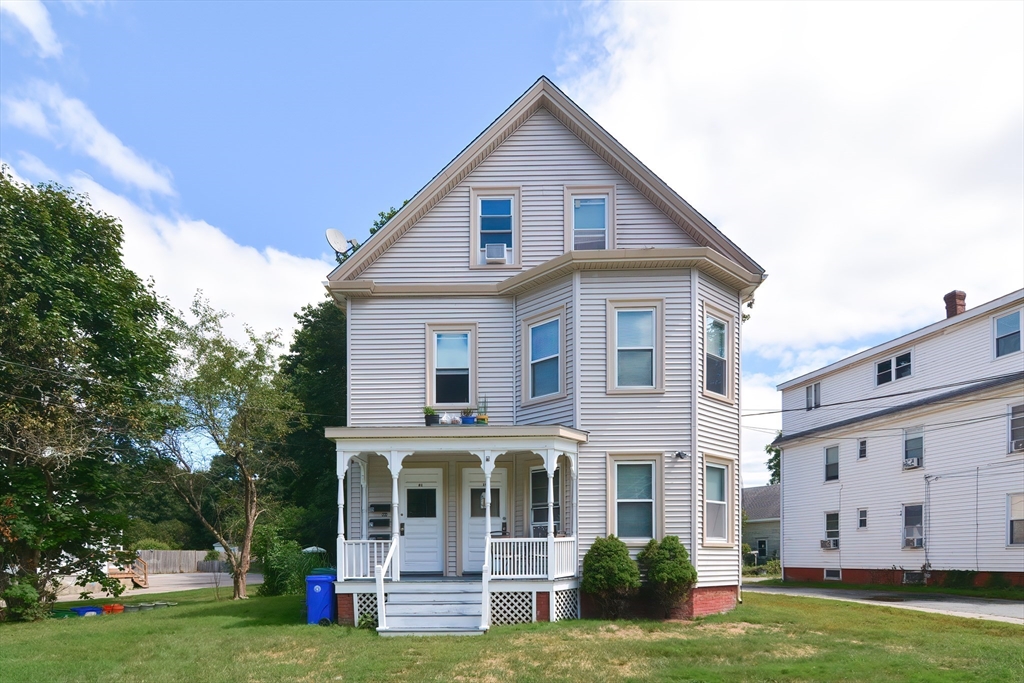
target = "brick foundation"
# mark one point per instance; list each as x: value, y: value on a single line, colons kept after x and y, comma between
x: 890, y: 577
x: 701, y: 602
x: 543, y: 606
x: 346, y: 609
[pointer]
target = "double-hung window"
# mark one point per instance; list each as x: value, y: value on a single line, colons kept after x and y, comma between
x: 635, y: 346
x: 832, y: 529
x: 1008, y: 334
x: 913, y: 526
x: 494, y: 227
x: 813, y: 392
x: 1015, y: 519
x: 716, y: 359
x: 589, y: 223
x: 862, y: 449
x: 862, y: 518
x: 893, y: 368
x: 634, y: 499
x: 1016, y: 427
x: 832, y: 463
x: 545, y: 353
x: 539, y: 502
x: 451, y: 372
x: 716, y: 503
x: 913, y: 448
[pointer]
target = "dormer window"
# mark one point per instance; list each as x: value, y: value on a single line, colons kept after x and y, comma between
x: 894, y: 368
x: 1008, y: 334
x: 494, y: 227
x: 589, y: 223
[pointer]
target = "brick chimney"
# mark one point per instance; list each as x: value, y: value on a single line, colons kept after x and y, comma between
x: 956, y: 303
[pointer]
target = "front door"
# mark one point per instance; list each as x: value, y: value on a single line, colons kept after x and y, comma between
x: 473, y: 511
x: 420, y: 503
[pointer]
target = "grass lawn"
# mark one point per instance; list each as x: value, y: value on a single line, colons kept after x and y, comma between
x: 768, y: 638
x: 1013, y: 593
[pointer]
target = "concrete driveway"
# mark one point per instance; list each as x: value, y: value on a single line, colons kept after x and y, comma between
x: 1010, y: 611
x: 169, y: 583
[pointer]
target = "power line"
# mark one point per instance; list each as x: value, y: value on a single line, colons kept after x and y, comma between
x: 934, y: 427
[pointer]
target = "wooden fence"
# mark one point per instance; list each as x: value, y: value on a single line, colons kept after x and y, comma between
x: 173, y: 561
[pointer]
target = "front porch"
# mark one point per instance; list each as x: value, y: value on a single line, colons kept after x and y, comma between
x: 478, y: 527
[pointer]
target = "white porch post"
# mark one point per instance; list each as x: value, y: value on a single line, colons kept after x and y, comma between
x: 487, y: 462
x: 550, y: 465
x: 344, y: 457
x: 395, y: 459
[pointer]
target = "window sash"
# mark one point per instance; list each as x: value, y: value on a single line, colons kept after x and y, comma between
x: 1015, y: 515
x: 716, y: 369
x: 832, y: 463
x: 593, y: 234
x: 452, y: 357
x: 813, y: 395
x: 634, y: 500
x: 831, y: 525
x: 716, y: 505
x: 894, y: 368
x: 913, y: 444
x: 545, y: 359
x: 539, y: 497
x: 862, y: 449
x: 635, y: 357
x: 913, y: 522
x: 1007, y: 334
x: 1016, y: 425
x: 862, y: 519
x: 496, y: 226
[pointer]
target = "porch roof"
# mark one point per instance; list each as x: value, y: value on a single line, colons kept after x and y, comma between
x: 457, y: 438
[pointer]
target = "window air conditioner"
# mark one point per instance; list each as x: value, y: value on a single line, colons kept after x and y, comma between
x: 495, y: 253
x: 1018, y: 445
x: 909, y: 463
x: 915, y: 543
x: 829, y: 543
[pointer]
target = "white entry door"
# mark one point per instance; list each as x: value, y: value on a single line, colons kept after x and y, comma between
x: 472, y: 523
x: 420, y: 506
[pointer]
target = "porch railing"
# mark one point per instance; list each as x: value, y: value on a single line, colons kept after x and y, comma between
x: 361, y: 558
x: 565, y: 557
x: 382, y: 620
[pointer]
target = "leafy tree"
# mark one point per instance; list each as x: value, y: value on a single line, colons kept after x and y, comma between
x: 83, y: 344
x: 232, y: 412
x: 610, y: 575
x: 774, y: 462
x: 667, y: 569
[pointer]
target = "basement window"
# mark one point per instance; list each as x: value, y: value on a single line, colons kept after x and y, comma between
x: 833, y: 574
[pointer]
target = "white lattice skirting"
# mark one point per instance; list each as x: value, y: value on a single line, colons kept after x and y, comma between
x: 366, y: 606
x: 511, y: 608
x: 567, y: 604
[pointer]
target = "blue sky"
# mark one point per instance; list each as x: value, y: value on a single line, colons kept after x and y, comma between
x: 869, y: 155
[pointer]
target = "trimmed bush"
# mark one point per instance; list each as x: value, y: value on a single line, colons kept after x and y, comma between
x: 151, y: 544
x: 668, y: 572
x: 610, y: 575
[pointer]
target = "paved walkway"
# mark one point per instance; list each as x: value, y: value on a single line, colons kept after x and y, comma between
x: 169, y: 583
x: 1010, y: 611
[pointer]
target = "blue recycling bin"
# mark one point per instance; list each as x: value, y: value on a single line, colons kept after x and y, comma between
x: 320, y: 599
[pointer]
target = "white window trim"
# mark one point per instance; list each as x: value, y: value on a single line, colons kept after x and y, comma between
x: 612, y: 358
x: 730, y: 503
x: 839, y: 523
x: 1020, y: 321
x: 812, y: 396
x: 824, y: 456
x: 865, y: 442
x: 558, y: 498
x: 892, y: 359
x: 611, y: 477
x: 526, y: 377
x: 728, y: 319
x: 478, y: 192
x: 1009, y: 430
x: 865, y: 511
x: 571, y: 192
x: 431, y: 330
x: 903, y: 529
x: 918, y: 431
x: 826, y: 577
x: 1009, y: 538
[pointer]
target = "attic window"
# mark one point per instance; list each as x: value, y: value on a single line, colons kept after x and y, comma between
x: 589, y: 223
x: 494, y: 230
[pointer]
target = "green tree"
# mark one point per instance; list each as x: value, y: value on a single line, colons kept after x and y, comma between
x: 83, y: 344
x: 382, y: 219
x: 774, y: 462
x: 232, y: 412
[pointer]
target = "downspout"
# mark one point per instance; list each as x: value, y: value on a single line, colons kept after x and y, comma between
x: 576, y: 389
x: 739, y: 446
x: 517, y: 350
x: 694, y: 303
x: 348, y: 362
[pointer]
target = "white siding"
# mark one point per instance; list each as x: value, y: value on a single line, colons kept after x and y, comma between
x: 387, y: 356
x: 718, y: 436
x: 542, y: 156
x: 970, y: 473
x: 643, y: 424
x: 958, y: 353
x: 555, y: 411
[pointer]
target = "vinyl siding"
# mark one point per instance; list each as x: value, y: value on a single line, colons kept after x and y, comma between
x: 718, y: 436
x: 556, y: 411
x: 968, y: 476
x: 642, y: 424
x: 388, y: 362
x: 752, y: 531
x: 958, y: 353
x: 542, y: 157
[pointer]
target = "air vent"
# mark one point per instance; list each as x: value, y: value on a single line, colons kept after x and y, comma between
x: 495, y: 253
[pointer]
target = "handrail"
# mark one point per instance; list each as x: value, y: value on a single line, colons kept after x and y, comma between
x: 382, y: 623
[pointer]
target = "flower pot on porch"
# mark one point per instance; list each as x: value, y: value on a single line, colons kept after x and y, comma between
x: 431, y: 420
x: 468, y: 419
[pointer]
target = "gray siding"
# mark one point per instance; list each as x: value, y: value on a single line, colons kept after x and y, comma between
x: 542, y: 156
x: 554, y: 411
x: 752, y: 531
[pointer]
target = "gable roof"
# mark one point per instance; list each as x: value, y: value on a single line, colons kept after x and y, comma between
x: 761, y: 502
x: 544, y: 94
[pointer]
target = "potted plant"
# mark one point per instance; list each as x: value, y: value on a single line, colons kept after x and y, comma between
x: 481, y: 415
x: 467, y: 416
x: 430, y: 416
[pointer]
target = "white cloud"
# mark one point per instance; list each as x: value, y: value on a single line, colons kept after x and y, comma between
x: 34, y: 167
x: 45, y: 111
x: 34, y: 18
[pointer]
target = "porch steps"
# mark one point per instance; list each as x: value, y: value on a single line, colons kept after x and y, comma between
x: 424, y: 608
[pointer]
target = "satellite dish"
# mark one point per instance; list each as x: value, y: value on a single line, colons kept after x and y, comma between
x: 337, y: 240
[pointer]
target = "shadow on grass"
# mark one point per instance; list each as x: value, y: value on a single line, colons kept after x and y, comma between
x: 254, y: 612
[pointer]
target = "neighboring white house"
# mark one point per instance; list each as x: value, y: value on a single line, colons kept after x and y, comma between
x: 762, y: 521
x: 546, y: 272
x: 907, y: 460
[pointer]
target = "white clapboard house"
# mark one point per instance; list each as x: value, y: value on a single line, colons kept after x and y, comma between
x: 906, y: 460
x: 546, y: 273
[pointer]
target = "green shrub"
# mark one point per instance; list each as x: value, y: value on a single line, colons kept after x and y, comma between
x: 773, y: 568
x: 23, y: 603
x: 285, y: 566
x: 959, y: 578
x: 211, y: 556
x: 668, y: 572
x: 151, y: 544
x: 610, y: 575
